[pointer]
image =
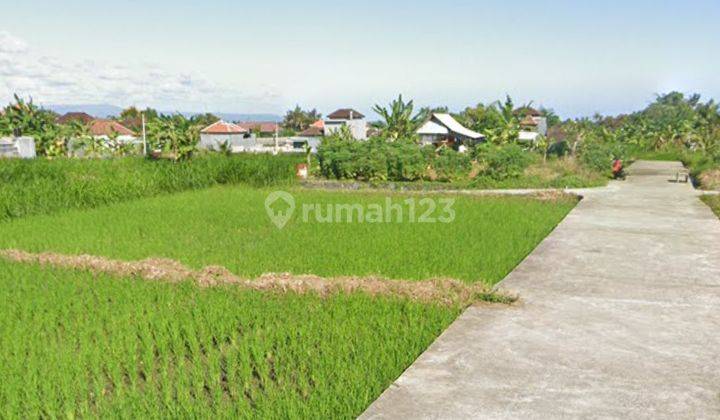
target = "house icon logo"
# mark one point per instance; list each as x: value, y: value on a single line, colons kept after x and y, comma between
x: 280, y: 207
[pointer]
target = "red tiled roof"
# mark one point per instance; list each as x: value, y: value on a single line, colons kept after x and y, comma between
x: 345, y: 113
x: 318, y: 124
x: 264, y: 126
x: 222, y: 127
x: 75, y: 116
x: 108, y: 128
x: 312, y: 131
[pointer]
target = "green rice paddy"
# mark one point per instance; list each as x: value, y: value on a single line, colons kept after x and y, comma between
x: 77, y: 344
x: 228, y: 226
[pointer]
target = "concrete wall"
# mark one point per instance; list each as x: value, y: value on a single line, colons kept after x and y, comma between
x: 235, y: 141
x: 358, y: 128
x: 542, y: 126
x: 22, y: 147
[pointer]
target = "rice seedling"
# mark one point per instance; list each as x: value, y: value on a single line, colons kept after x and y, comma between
x: 77, y: 344
x: 228, y: 226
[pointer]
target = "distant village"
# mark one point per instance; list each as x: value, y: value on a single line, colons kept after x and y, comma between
x: 440, y: 128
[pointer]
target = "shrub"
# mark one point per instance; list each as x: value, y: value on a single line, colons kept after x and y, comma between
x: 449, y: 165
x: 502, y: 162
x: 600, y: 155
x: 559, y: 149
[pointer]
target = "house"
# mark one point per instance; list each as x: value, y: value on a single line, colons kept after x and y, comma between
x: 310, y: 137
x: 534, y: 121
x: 532, y: 127
x: 107, y: 129
x: 75, y: 116
x: 100, y: 128
x: 530, y: 137
x: 221, y: 132
x: 346, y: 117
x: 316, y: 129
x: 261, y: 128
x: 444, y: 129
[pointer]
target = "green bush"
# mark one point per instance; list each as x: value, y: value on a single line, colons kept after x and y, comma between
x: 44, y: 186
x: 406, y: 162
x: 600, y: 155
x: 450, y: 165
x: 502, y: 162
x: 380, y: 160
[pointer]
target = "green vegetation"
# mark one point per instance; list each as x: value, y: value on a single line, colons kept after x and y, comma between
x: 297, y: 119
x: 76, y: 344
x: 487, y: 166
x: 674, y: 127
x: 46, y: 186
x: 714, y: 202
x: 228, y: 226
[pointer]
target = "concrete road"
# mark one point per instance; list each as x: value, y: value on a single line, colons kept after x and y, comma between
x: 619, y: 318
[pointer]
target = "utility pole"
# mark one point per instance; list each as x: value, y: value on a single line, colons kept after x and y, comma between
x: 145, y: 151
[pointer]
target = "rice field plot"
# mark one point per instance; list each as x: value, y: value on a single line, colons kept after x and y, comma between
x: 229, y: 226
x: 77, y: 344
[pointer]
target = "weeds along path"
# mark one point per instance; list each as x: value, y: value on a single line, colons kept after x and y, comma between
x: 442, y: 291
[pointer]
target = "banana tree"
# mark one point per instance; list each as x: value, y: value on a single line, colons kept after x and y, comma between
x: 398, y: 121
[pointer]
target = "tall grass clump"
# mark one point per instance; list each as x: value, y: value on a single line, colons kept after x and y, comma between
x: 42, y: 186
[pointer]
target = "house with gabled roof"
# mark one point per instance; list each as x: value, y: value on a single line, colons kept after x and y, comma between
x: 444, y: 129
x: 262, y: 128
x: 532, y: 127
x: 220, y: 133
x: 81, y: 117
x: 346, y: 117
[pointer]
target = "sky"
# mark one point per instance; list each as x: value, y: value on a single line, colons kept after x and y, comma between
x: 577, y: 57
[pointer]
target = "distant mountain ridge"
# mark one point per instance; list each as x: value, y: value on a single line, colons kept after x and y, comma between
x: 105, y: 111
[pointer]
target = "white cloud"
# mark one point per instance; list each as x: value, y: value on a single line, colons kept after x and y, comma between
x: 52, y: 80
x: 11, y: 44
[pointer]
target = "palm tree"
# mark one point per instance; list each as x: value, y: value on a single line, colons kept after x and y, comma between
x: 398, y: 121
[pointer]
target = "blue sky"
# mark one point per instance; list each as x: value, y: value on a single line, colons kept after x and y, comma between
x: 577, y: 57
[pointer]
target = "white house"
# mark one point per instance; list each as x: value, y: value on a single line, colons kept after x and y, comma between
x: 349, y: 118
x: 106, y: 129
x: 444, y: 129
x: 534, y: 121
x: 221, y: 132
x: 532, y: 127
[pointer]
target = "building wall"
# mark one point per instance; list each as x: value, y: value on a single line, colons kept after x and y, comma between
x: 213, y: 141
x: 542, y: 126
x: 22, y: 147
x: 358, y: 128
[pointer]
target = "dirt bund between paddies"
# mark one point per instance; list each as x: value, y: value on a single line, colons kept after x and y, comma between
x: 440, y: 291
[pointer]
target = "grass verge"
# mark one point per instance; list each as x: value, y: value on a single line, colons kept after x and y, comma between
x: 229, y: 227
x: 714, y: 202
x: 81, y: 344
